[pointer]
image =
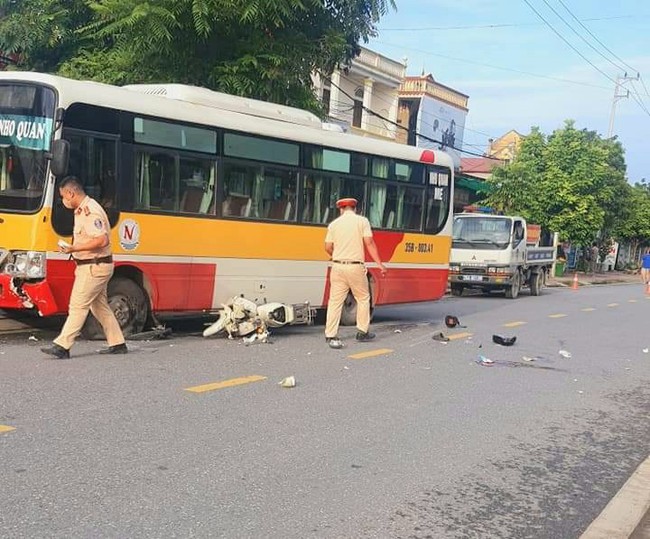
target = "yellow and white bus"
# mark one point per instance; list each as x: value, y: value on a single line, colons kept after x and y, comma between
x: 210, y: 196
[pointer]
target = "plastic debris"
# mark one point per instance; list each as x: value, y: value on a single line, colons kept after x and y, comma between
x: 32, y: 338
x: 580, y: 392
x: 289, y: 381
x: 440, y: 337
x: 565, y: 354
x: 485, y: 361
x: 646, y: 350
x: 527, y: 358
x: 503, y: 341
x: 452, y: 321
x: 398, y: 331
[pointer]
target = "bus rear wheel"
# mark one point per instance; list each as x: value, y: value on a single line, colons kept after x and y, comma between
x: 129, y: 305
x: 349, y: 312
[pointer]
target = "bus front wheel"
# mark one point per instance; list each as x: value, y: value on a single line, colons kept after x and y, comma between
x: 129, y: 305
x: 349, y: 312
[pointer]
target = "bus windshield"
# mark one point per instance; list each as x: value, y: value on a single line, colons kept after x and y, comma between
x: 481, y: 232
x: 26, y: 123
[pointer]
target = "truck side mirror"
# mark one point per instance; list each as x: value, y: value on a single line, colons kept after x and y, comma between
x: 59, y: 157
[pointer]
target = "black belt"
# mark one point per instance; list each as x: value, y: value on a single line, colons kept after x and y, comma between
x: 346, y: 262
x: 102, y: 260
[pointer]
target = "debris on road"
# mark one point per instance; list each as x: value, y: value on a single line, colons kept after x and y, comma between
x: 398, y: 331
x: 289, y: 381
x: 440, y: 337
x: 156, y: 334
x: 527, y: 358
x: 32, y: 338
x: 503, y: 341
x: 645, y: 350
x: 484, y: 361
x: 240, y: 317
x: 452, y: 321
x: 565, y: 354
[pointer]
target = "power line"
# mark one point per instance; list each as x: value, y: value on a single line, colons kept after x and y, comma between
x: 558, y: 34
x: 579, y: 53
x: 506, y: 25
x: 492, y: 66
x: 372, y: 112
x: 384, y: 100
x: 598, y: 40
x: 617, y: 66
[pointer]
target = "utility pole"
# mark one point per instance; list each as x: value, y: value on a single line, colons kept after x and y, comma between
x: 619, y: 93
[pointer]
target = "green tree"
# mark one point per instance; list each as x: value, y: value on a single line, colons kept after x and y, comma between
x: 572, y: 182
x: 266, y: 49
x: 634, y: 227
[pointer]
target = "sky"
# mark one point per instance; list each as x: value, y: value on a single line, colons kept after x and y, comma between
x: 487, y: 62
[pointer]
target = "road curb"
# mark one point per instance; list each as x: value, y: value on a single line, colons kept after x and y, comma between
x: 623, y: 515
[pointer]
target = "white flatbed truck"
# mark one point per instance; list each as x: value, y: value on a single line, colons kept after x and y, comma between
x: 497, y: 253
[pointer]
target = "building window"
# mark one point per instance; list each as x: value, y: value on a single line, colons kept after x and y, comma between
x: 357, y: 112
x: 327, y: 94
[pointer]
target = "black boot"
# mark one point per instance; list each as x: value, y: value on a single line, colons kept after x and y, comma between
x: 57, y: 352
x: 117, y: 349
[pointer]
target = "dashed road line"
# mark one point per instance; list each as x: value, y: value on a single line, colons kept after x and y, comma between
x: 6, y: 428
x: 456, y: 336
x: 612, y: 304
x: 559, y: 315
x: 632, y: 300
x: 514, y: 324
x: 371, y: 353
x: 225, y: 383
x: 625, y: 510
x: 588, y: 310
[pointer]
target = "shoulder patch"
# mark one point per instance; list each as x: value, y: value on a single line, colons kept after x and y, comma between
x: 99, y: 224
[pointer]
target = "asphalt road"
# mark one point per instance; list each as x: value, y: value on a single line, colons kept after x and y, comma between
x: 416, y: 441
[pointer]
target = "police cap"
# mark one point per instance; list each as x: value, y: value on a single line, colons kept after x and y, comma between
x: 346, y: 202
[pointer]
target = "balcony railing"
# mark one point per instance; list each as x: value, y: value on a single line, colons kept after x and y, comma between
x: 423, y: 86
x: 382, y: 64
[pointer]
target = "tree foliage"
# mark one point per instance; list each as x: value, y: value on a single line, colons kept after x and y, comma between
x: 571, y: 182
x: 265, y: 49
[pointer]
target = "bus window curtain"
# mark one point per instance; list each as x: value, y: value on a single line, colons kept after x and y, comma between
x: 144, y: 195
x: 401, y: 193
x: 318, y: 199
x: 208, y: 195
x: 257, y: 194
x: 377, y: 204
x: 4, y: 172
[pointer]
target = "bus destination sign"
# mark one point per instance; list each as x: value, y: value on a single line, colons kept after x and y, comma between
x: 30, y: 132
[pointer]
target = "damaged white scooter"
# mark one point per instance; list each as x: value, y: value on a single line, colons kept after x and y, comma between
x: 241, y: 317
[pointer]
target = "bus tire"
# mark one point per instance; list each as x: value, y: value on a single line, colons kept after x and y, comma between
x: 349, y: 311
x: 128, y: 302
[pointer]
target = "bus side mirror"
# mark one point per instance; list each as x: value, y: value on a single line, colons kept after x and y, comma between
x: 60, y: 156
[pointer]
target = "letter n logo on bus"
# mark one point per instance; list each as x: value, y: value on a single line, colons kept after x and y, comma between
x: 129, y: 235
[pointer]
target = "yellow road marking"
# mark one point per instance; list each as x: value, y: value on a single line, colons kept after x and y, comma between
x: 226, y: 383
x: 457, y: 336
x: 557, y: 315
x: 371, y: 353
x: 6, y: 428
x: 632, y: 300
x: 588, y: 310
x: 514, y: 324
x: 612, y: 304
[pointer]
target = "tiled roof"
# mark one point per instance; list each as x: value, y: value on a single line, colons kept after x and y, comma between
x: 478, y: 165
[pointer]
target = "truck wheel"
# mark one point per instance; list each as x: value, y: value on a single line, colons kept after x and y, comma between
x: 457, y: 290
x: 536, y: 283
x: 129, y: 304
x: 512, y: 292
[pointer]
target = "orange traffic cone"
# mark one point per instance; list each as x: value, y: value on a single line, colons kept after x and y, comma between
x: 574, y: 285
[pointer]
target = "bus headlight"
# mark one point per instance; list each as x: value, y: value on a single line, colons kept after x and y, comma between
x: 27, y: 265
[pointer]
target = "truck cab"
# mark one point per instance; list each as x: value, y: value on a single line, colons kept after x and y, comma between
x: 497, y: 252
